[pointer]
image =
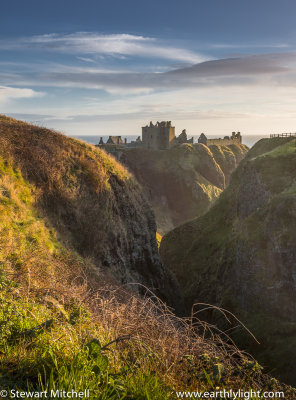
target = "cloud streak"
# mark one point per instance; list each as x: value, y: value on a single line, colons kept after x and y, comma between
x: 8, y: 93
x: 271, y: 70
x: 250, y: 46
x: 265, y: 69
x: 116, y: 45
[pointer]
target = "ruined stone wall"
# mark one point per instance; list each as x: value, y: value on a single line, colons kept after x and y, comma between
x: 223, y: 142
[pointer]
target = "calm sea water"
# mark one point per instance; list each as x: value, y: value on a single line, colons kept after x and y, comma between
x: 248, y: 140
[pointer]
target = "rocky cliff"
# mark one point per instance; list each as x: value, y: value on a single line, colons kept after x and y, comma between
x: 95, y: 206
x: 241, y: 255
x: 181, y: 183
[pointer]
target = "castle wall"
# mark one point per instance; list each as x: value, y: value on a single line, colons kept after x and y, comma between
x: 149, y: 137
x: 172, y: 136
x: 223, y: 142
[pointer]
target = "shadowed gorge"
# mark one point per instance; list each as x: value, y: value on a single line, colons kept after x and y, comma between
x: 241, y: 255
x: 181, y: 183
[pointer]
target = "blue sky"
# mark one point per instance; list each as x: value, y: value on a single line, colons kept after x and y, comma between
x: 109, y: 67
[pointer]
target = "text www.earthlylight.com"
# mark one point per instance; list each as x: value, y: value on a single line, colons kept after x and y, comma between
x: 230, y: 394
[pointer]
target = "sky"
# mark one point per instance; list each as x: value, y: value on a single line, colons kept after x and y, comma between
x: 97, y: 67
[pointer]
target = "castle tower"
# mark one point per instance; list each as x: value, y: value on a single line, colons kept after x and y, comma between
x: 160, y: 136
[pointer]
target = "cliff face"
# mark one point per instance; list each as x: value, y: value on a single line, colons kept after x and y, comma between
x: 242, y: 254
x: 93, y: 203
x: 181, y: 183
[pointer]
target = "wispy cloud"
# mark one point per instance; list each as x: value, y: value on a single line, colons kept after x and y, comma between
x: 8, y: 93
x: 269, y: 69
x: 86, y: 59
x: 273, y: 70
x: 117, y: 45
x: 250, y: 65
x: 249, y: 46
x: 233, y: 90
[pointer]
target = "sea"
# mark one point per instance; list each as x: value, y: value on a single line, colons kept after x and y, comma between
x: 248, y: 140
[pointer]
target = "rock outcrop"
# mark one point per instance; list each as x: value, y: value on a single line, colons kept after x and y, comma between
x: 181, y: 183
x: 241, y: 255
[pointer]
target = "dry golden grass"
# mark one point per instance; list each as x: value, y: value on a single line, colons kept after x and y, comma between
x: 143, y: 331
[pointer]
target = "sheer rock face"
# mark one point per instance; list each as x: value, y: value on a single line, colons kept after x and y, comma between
x: 93, y: 202
x: 242, y: 254
x: 182, y: 183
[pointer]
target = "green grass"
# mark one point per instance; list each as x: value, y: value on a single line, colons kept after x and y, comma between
x: 64, y: 356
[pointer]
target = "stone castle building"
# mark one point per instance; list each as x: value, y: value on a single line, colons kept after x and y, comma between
x: 161, y: 136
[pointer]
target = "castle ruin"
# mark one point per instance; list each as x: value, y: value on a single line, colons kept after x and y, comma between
x: 235, y: 138
x: 161, y: 136
x: 113, y: 140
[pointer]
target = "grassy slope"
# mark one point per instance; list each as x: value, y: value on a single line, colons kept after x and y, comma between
x: 57, y: 320
x: 92, y: 201
x: 38, y: 286
x: 235, y: 252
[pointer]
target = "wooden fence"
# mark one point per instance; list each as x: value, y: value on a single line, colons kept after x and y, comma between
x: 282, y: 135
